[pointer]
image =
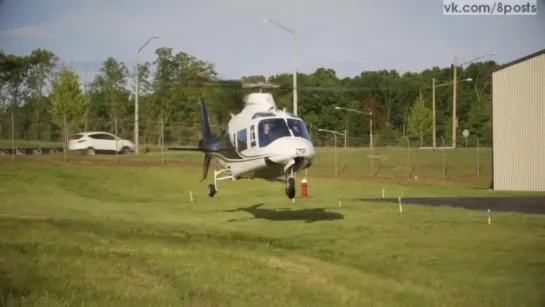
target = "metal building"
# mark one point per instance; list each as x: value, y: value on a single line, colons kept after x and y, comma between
x: 518, y: 121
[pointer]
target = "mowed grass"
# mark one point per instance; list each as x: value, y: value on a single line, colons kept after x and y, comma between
x: 88, y: 235
x: 473, y: 164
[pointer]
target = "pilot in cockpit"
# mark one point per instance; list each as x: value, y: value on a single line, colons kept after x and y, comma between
x: 265, y: 138
x: 294, y: 129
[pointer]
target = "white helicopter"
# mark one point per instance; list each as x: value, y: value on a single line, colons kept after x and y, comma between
x: 259, y: 142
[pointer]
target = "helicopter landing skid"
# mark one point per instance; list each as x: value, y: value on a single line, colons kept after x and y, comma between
x: 213, y: 187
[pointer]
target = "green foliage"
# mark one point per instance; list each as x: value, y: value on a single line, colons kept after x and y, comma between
x: 171, y: 85
x: 420, y: 118
x: 67, y: 100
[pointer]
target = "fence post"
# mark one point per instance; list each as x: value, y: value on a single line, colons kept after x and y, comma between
x: 408, y: 157
x: 65, y: 136
x: 478, y: 157
x: 116, y: 141
x: 12, y: 134
x: 163, y: 141
x: 372, y: 156
x: 443, y: 159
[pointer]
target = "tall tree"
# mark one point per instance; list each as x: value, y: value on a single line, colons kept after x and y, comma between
x: 111, y: 88
x: 42, y: 65
x: 420, y: 118
x: 68, y: 104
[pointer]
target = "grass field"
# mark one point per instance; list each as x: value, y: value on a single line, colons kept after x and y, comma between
x: 107, y: 235
x: 470, y: 165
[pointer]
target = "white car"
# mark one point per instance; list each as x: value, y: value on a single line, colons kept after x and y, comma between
x: 99, y: 142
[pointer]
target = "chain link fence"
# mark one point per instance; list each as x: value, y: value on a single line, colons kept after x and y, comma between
x: 337, y: 155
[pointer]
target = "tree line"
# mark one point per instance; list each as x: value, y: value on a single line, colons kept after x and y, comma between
x: 39, y: 96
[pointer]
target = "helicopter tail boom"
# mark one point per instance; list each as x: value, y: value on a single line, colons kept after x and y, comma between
x: 207, y: 137
x: 207, y: 134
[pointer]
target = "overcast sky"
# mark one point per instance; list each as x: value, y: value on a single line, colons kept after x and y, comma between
x: 347, y: 35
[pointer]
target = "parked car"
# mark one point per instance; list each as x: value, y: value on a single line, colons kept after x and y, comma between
x: 99, y: 142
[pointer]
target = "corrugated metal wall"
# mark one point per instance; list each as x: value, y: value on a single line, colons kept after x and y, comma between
x: 519, y: 126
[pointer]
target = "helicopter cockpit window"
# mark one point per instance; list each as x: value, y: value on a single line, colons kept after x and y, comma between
x: 298, y: 128
x: 272, y: 129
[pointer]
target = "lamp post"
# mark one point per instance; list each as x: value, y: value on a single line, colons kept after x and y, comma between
x: 335, y: 133
x: 433, y: 104
x: 136, y: 94
x: 454, y: 91
x: 370, y: 113
x: 294, y: 35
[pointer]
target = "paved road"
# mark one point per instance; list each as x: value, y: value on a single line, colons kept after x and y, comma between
x: 532, y: 205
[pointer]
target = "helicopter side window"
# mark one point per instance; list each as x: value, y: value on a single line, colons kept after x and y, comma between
x: 298, y: 128
x: 242, y: 141
x: 252, y: 136
x: 271, y: 129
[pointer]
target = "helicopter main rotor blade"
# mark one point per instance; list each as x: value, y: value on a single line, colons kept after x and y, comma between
x: 265, y: 86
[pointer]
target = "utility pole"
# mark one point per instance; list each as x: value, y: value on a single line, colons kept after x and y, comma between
x: 136, y: 125
x: 454, y: 90
x: 371, y: 129
x: 433, y: 110
x: 295, y: 73
x: 294, y: 35
x: 136, y: 94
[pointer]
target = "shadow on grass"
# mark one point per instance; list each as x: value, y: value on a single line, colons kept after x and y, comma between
x: 527, y: 204
x: 286, y: 214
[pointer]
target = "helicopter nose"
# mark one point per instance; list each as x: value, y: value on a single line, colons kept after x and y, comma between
x: 290, y: 148
x: 309, y: 152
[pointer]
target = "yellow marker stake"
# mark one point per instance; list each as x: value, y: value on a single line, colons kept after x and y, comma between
x: 293, y: 200
x: 489, y: 217
x: 191, y: 196
x: 400, y: 206
x: 340, y: 201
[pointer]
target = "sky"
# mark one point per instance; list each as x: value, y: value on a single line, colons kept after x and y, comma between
x: 349, y: 36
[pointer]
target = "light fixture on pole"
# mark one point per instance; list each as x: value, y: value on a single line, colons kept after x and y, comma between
x: 433, y: 104
x: 454, y: 91
x: 137, y: 94
x: 370, y: 113
x: 335, y: 133
x: 294, y: 35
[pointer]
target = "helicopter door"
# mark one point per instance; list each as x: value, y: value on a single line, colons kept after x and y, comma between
x: 252, y: 136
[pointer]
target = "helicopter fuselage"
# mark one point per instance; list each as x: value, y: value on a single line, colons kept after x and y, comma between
x: 259, y: 142
x: 263, y: 142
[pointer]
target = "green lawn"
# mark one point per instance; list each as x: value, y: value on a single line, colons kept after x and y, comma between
x: 87, y: 235
x: 471, y: 165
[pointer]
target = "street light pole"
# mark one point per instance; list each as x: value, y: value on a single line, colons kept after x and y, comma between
x: 370, y: 113
x: 294, y: 35
x: 295, y: 73
x: 335, y: 137
x: 434, y: 86
x: 136, y: 95
x: 371, y: 143
x: 433, y: 114
x: 454, y: 91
